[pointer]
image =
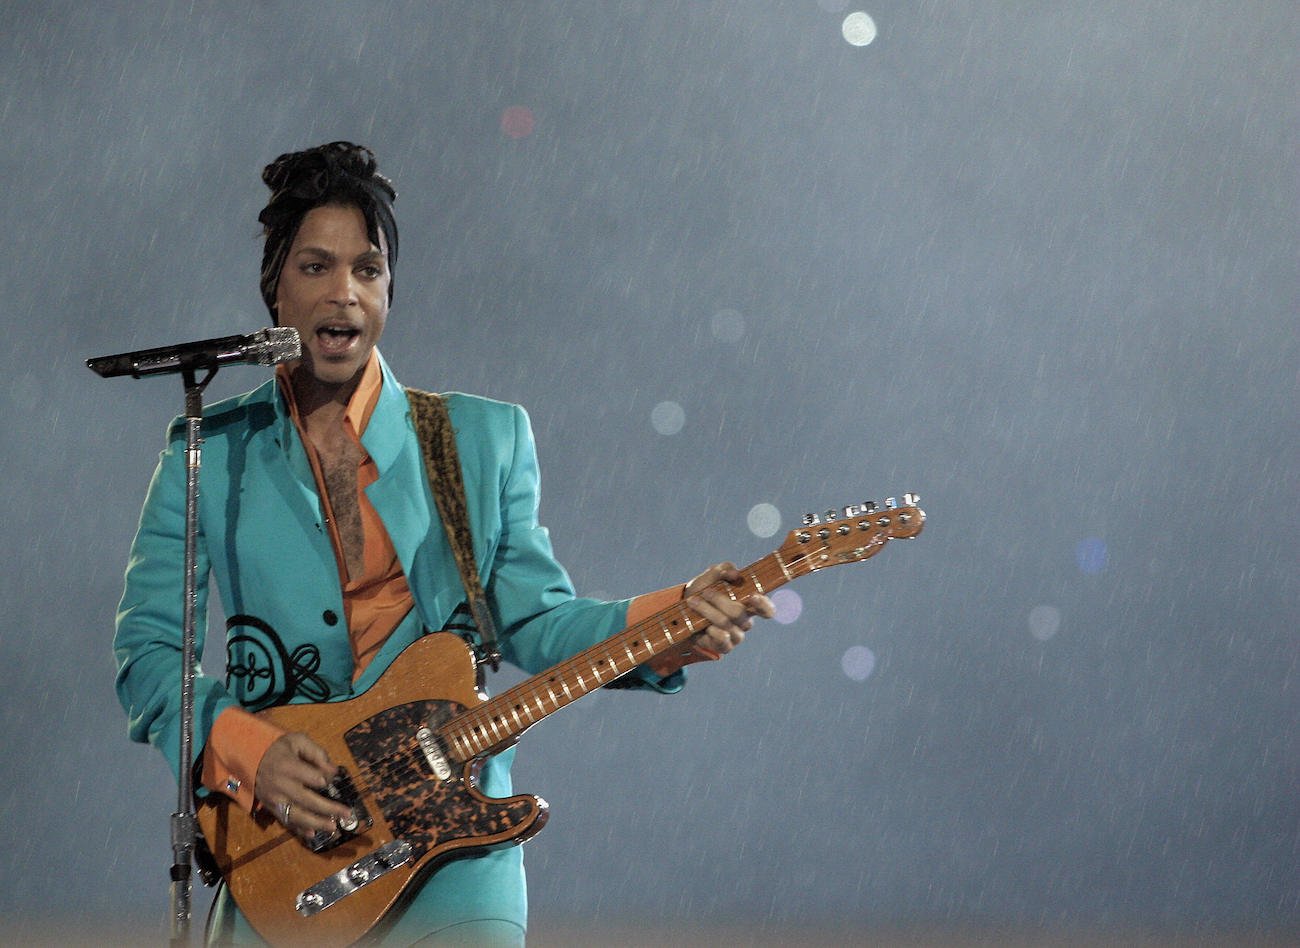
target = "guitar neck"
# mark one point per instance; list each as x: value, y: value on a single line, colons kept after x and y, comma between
x: 499, y: 721
x: 859, y: 533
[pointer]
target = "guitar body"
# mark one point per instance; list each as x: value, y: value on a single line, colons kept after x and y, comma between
x: 414, y: 819
x: 411, y: 747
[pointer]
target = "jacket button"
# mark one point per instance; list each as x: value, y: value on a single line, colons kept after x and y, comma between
x: 330, y: 617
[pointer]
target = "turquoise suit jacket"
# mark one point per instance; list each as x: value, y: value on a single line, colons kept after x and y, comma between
x: 264, y: 542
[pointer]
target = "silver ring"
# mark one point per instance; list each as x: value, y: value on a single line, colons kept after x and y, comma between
x: 284, y: 812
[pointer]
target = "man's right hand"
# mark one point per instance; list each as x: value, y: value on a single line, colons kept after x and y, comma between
x: 291, y: 779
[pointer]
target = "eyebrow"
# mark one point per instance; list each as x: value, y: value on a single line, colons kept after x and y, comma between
x: 369, y: 255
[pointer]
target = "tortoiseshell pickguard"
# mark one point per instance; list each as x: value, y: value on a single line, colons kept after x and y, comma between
x: 418, y: 807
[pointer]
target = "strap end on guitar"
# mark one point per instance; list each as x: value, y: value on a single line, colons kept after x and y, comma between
x: 488, y: 651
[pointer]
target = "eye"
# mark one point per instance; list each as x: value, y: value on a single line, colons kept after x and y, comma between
x: 372, y: 272
x: 313, y: 267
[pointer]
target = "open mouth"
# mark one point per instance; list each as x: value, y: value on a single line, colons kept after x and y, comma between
x: 336, y: 339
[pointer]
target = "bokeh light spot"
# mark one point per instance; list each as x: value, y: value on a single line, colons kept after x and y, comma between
x: 858, y: 662
x: 788, y: 605
x: 764, y: 520
x: 1044, y: 622
x: 1091, y: 555
x: 667, y: 418
x: 727, y: 325
x: 517, y: 121
x: 859, y: 29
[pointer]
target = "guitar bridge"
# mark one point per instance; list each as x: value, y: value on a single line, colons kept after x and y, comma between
x: 361, y: 873
x: 342, y: 790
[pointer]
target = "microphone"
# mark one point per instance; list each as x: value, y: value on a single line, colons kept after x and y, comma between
x: 265, y: 347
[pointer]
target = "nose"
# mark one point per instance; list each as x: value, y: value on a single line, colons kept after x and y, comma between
x: 343, y: 289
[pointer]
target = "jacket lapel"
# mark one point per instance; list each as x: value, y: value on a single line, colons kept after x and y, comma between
x: 402, y: 499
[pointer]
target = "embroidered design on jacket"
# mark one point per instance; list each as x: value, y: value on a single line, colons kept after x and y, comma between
x: 262, y: 673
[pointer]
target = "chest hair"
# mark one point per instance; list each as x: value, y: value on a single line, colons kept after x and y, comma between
x: 340, y: 469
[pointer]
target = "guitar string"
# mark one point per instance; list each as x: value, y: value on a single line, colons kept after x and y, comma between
x: 474, y: 726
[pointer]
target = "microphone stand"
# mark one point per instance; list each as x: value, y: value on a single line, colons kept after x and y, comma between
x: 184, y: 831
x: 267, y: 347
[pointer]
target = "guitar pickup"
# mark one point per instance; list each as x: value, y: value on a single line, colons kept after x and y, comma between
x: 342, y: 790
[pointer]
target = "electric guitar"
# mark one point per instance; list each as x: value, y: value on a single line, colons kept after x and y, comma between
x: 410, y: 749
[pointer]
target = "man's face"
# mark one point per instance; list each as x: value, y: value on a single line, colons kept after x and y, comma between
x: 334, y: 291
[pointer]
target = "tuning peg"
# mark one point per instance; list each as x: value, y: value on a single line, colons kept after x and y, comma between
x: 811, y: 520
x: 831, y: 515
x: 890, y: 503
x: 911, y: 500
x: 869, y: 507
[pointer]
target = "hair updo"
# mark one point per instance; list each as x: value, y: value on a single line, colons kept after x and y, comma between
x: 339, y: 173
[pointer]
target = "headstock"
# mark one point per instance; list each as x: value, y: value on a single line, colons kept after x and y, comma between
x: 850, y: 534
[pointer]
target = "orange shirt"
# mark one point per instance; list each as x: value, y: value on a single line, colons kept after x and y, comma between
x: 374, y: 602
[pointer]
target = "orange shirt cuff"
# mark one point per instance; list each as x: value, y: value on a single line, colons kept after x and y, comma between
x: 643, y: 607
x: 236, y: 744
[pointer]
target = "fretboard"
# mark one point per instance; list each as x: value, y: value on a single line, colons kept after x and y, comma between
x: 499, y: 721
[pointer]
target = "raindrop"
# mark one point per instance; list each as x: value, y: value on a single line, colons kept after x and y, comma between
x: 517, y: 121
x: 788, y: 605
x: 667, y: 418
x: 859, y: 29
x: 1044, y: 622
x: 728, y: 325
x: 858, y: 662
x: 764, y: 520
x: 1090, y: 553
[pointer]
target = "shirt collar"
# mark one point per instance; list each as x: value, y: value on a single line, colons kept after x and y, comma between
x: 360, y: 406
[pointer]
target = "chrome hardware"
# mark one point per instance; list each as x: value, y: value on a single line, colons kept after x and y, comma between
x: 341, y: 790
x: 830, y: 516
x: 870, y: 507
x: 811, y: 520
x: 843, y: 529
x: 803, y: 536
x: 433, y: 753
x: 911, y: 500
x: 343, y: 883
x: 890, y: 503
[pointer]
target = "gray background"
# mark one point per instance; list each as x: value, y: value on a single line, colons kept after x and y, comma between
x: 1034, y: 260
